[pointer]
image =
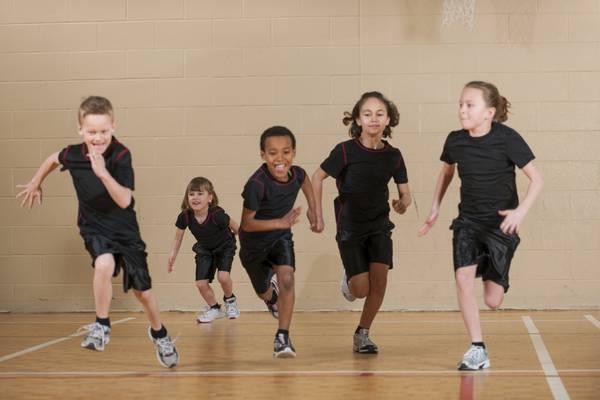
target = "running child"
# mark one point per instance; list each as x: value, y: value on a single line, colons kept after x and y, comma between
x: 215, y: 247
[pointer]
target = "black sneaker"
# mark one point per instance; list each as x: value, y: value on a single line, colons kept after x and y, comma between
x: 282, y: 347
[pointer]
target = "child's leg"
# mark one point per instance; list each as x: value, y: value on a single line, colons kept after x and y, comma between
x: 287, y: 295
x: 104, y: 267
x: 224, y: 278
x: 465, y: 289
x: 493, y: 294
x: 377, y: 283
x: 359, y: 285
x: 206, y: 292
x: 148, y: 301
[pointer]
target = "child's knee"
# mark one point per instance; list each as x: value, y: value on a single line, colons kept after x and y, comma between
x: 464, y: 280
x: 360, y: 289
x: 144, y: 295
x: 286, y: 281
x: 104, y: 266
x: 224, y: 277
x: 202, y: 284
x: 494, y: 302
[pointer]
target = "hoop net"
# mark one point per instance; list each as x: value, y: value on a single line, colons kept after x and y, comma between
x: 459, y: 11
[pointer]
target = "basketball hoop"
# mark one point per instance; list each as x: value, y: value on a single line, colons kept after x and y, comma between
x: 459, y: 11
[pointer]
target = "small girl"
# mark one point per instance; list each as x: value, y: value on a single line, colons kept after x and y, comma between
x: 362, y: 168
x: 215, y: 247
x: 489, y: 214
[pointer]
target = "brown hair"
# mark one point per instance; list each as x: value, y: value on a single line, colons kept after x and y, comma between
x: 95, y: 105
x: 197, y: 184
x: 492, y: 98
x: 350, y: 118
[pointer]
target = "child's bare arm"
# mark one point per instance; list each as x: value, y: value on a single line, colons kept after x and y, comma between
x: 234, y: 226
x: 317, y: 184
x: 311, y: 214
x: 32, y: 191
x: 251, y: 224
x: 120, y: 194
x: 175, y: 249
x: 444, y: 179
x: 513, y: 218
x: 404, y: 198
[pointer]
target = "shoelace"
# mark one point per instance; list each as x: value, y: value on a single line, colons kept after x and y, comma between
x: 167, y: 346
x: 96, y: 330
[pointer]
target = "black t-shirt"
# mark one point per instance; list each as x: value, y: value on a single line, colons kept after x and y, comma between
x: 98, y: 212
x: 486, y: 166
x: 270, y: 198
x: 211, y: 233
x: 362, y: 176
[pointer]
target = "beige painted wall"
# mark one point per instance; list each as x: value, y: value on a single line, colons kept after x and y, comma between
x: 195, y: 82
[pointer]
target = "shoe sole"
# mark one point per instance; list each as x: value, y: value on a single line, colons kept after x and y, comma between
x: 369, y: 350
x: 287, y: 353
x: 92, y: 347
x: 465, y: 367
x: 198, y: 320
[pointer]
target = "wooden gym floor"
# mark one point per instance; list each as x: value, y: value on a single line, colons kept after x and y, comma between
x: 534, y: 355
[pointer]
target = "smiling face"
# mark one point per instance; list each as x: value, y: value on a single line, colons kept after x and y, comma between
x: 373, y: 117
x: 96, y: 131
x: 199, y: 199
x: 279, y: 155
x: 474, y: 114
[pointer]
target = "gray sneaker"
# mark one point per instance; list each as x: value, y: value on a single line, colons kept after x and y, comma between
x: 282, y: 347
x: 474, y: 359
x: 210, y: 314
x: 166, y: 353
x: 231, y: 309
x: 273, y: 309
x: 345, y: 289
x: 98, y: 336
x: 362, y: 343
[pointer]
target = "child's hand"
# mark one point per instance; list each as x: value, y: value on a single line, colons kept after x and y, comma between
x: 399, y: 206
x: 98, y: 164
x: 291, y: 217
x: 429, y: 222
x: 32, y: 193
x: 314, y: 221
x: 171, y: 263
x: 512, y: 221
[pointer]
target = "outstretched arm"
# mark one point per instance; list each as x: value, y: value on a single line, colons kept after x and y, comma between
x: 444, y: 179
x: 32, y: 191
x: 175, y: 249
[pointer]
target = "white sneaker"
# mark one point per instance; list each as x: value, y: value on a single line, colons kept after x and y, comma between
x: 475, y: 358
x: 345, y: 289
x: 231, y: 309
x: 210, y: 314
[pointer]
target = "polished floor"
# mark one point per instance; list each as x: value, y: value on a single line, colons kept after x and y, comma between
x: 534, y: 355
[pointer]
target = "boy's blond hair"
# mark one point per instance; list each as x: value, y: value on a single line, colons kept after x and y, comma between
x: 95, y: 105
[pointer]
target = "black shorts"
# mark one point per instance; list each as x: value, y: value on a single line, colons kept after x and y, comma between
x: 258, y: 261
x: 209, y: 261
x: 132, y: 258
x: 358, y: 251
x: 489, y: 248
